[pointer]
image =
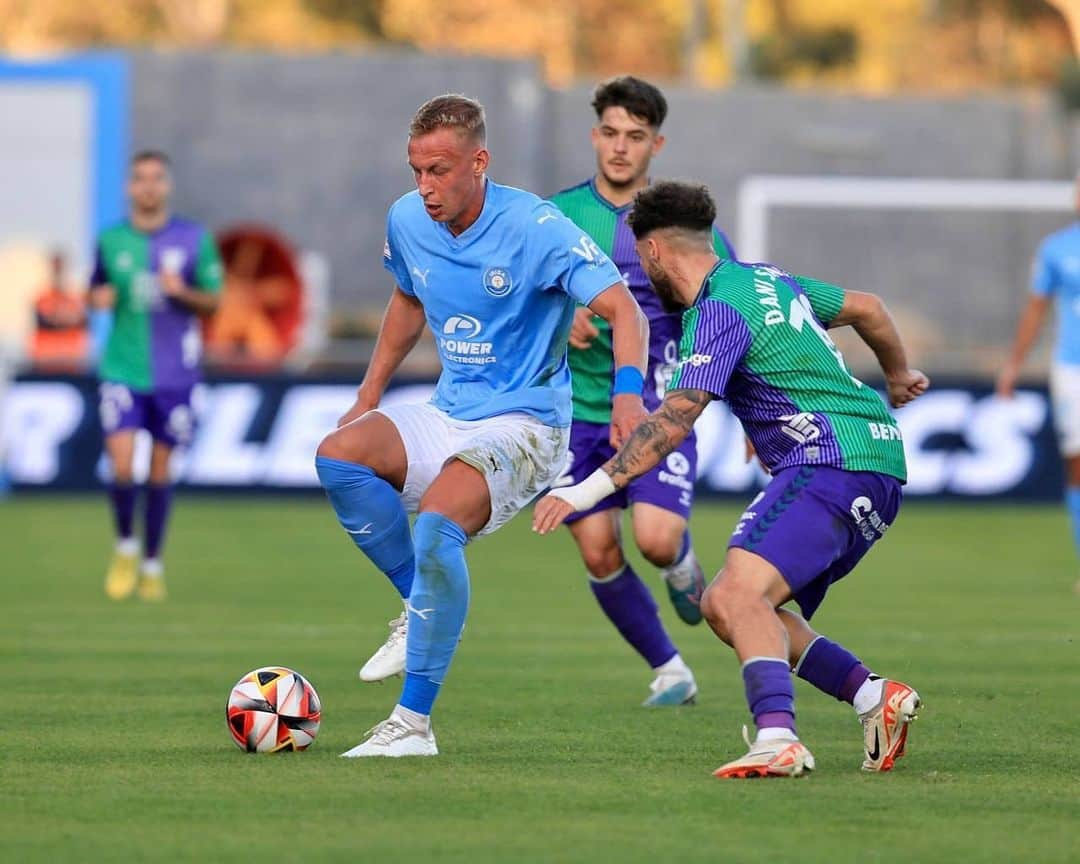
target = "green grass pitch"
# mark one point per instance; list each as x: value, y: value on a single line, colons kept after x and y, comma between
x: 114, y: 746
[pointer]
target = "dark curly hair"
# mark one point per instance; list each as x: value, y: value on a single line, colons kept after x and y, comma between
x: 671, y: 204
x: 639, y: 98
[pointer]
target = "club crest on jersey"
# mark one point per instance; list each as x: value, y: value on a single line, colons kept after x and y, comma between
x: 173, y: 259
x: 497, y: 281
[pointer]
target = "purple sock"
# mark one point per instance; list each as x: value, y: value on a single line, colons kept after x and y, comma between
x: 158, y: 499
x: 631, y: 608
x: 122, y: 498
x: 770, y: 692
x: 832, y: 669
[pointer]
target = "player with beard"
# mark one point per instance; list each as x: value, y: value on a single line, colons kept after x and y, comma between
x: 755, y: 337
x: 629, y: 115
x: 158, y: 274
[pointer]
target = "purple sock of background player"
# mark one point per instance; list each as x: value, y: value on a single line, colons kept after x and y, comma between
x: 122, y: 498
x: 832, y: 669
x: 158, y: 501
x: 631, y: 608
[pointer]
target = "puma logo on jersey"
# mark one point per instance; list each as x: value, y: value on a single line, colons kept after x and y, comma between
x: 421, y: 274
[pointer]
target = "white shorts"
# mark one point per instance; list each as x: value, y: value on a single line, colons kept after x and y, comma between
x: 518, y: 455
x: 1065, y: 395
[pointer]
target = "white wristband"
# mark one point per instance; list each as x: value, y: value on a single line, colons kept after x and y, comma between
x: 592, y: 490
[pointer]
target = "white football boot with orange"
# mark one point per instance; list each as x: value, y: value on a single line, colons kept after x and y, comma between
x: 775, y: 757
x: 885, y: 726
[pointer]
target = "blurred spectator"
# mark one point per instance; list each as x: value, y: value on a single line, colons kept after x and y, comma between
x: 258, y: 321
x: 60, y: 341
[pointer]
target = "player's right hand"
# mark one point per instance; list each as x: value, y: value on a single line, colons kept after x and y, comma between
x: 364, y: 403
x: 583, y: 331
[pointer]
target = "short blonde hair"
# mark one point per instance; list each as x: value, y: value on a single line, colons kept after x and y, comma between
x: 450, y: 111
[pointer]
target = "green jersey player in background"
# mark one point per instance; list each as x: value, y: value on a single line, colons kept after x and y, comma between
x: 157, y: 273
x: 755, y: 337
x: 629, y: 114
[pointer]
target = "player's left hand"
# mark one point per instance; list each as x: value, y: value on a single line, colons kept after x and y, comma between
x: 627, y: 411
x: 906, y: 386
x: 550, y: 512
x: 172, y: 285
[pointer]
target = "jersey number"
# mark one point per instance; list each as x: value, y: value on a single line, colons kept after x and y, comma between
x: 800, y: 313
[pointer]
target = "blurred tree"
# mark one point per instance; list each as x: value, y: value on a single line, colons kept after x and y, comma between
x: 194, y: 22
x: 590, y: 37
x: 366, y: 15
x: 39, y: 26
x: 877, y: 46
x: 1070, y: 11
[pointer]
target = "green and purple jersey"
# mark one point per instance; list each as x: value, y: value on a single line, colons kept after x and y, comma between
x: 155, y: 342
x: 755, y: 337
x: 592, y: 369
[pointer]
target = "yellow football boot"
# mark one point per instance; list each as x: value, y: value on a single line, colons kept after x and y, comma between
x: 123, y: 571
x: 152, y: 582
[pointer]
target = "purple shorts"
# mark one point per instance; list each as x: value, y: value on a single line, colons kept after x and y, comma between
x: 670, y: 485
x: 165, y: 414
x: 814, y: 524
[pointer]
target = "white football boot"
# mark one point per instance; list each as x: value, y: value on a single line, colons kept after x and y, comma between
x: 673, y: 685
x: 885, y: 726
x: 389, y: 660
x: 779, y: 757
x: 394, y: 737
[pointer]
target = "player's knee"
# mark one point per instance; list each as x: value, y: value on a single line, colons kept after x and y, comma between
x: 659, y: 547
x: 722, y: 602
x: 123, y: 475
x: 602, y: 560
x: 333, y: 447
x: 438, y: 543
x: 714, y: 609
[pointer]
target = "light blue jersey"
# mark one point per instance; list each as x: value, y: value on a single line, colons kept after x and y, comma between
x: 499, y: 299
x: 1057, y: 272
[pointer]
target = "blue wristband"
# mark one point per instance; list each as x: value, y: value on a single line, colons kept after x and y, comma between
x: 628, y: 379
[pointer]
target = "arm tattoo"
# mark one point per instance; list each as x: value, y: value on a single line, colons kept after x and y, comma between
x: 657, y: 435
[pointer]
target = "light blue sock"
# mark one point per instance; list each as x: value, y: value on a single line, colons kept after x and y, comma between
x: 1072, y: 501
x: 437, y: 608
x: 370, y: 510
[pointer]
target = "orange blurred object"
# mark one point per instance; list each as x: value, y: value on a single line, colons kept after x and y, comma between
x: 258, y: 321
x: 60, y: 341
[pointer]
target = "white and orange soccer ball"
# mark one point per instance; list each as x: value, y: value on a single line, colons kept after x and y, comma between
x: 272, y: 709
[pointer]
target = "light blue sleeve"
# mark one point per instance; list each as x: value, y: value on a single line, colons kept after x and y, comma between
x: 1044, y: 277
x: 391, y: 257
x: 566, y: 257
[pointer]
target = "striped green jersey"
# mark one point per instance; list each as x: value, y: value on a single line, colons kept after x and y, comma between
x: 755, y: 337
x: 593, y: 368
x: 155, y: 342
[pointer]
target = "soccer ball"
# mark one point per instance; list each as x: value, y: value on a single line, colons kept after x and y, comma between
x: 272, y: 709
